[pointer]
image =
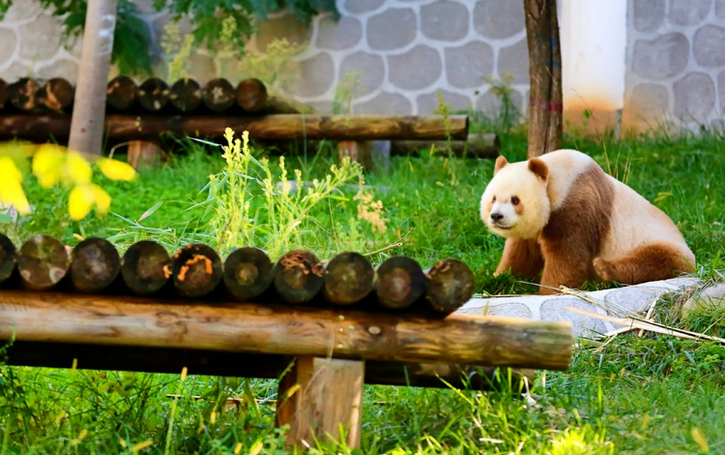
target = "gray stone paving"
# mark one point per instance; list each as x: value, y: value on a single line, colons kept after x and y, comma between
x: 637, y: 299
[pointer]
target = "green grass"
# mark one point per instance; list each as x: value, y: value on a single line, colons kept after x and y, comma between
x: 637, y: 395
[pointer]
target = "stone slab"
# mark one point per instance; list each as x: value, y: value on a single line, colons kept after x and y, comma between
x: 637, y: 299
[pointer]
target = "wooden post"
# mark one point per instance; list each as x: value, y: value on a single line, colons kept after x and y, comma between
x: 317, y: 396
x: 545, y: 102
x: 86, y: 131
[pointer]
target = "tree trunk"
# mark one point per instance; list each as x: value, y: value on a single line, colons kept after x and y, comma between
x: 86, y: 131
x: 545, y: 101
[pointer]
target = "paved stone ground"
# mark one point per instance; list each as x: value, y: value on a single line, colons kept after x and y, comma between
x: 552, y: 308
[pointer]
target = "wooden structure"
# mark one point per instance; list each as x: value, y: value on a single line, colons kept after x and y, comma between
x: 321, y: 327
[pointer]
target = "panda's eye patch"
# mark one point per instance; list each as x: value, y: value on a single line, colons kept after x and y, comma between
x: 515, y: 200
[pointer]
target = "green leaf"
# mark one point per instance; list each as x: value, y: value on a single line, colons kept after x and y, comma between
x: 5, y: 218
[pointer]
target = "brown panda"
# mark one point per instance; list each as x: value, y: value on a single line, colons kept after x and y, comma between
x: 563, y: 213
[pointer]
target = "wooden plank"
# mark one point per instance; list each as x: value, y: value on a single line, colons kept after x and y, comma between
x: 284, y: 329
x: 318, y: 396
x: 277, y: 126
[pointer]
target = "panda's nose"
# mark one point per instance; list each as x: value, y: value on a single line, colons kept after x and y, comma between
x: 496, y: 216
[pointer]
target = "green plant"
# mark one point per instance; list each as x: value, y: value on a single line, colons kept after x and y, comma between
x: 276, y: 67
x: 345, y: 93
x: 131, y: 37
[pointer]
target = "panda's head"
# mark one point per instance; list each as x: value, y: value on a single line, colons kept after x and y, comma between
x: 515, y: 203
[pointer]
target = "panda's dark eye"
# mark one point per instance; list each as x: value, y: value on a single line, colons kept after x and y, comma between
x: 494, y: 199
x: 515, y: 200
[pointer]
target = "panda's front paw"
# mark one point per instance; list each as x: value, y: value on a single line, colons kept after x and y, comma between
x: 604, y: 269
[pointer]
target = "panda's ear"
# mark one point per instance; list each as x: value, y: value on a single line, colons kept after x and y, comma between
x: 539, y: 168
x: 500, y: 162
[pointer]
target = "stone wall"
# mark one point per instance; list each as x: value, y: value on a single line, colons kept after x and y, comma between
x: 676, y: 63
x: 405, y: 51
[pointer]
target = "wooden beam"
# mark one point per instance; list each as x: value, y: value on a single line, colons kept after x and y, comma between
x: 284, y: 329
x: 86, y: 126
x: 545, y: 99
x: 319, y: 395
x: 277, y: 126
x: 475, y: 146
x: 241, y: 364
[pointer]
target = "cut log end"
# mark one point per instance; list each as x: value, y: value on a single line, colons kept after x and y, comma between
x: 23, y: 94
x: 57, y: 95
x: 153, y: 94
x: 95, y: 265
x: 185, y: 95
x: 219, y: 95
x: 248, y: 273
x: 7, y: 258
x: 197, y: 270
x: 298, y: 276
x: 348, y: 278
x: 449, y: 284
x: 121, y: 93
x: 146, y: 267
x: 42, y: 262
x: 251, y: 95
x: 399, y: 282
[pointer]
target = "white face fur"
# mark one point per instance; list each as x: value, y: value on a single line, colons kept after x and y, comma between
x: 515, y: 203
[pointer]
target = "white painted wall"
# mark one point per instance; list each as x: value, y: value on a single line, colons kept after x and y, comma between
x: 593, y: 46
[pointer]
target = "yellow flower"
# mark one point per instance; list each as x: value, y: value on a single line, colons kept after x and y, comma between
x: 80, y: 201
x: 11, y: 190
x: 79, y: 170
x: 116, y: 170
x: 48, y: 164
x: 103, y: 200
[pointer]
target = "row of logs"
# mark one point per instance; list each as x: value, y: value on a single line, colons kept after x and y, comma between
x: 154, y: 95
x: 94, y: 266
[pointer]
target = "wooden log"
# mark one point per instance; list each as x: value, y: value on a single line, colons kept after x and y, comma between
x: 285, y: 330
x: 57, y: 95
x: 95, y: 265
x: 185, y: 95
x: 545, y: 98
x: 298, y: 276
x: 248, y: 273
x: 22, y: 94
x: 281, y: 126
x: 218, y: 95
x: 145, y: 267
x: 43, y: 262
x: 153, y: 94
x: 121, y: 93
x: 196, y: 270
x: 399, y: 282
x: 476, y: 146
x: 87, y: 121
x: 253, y: 95
x: 347, y: 279
x: 7, y: 258
x: 448, y: 284
x: 3, y: 93
x: 317, y: 397
x: 239, y: 364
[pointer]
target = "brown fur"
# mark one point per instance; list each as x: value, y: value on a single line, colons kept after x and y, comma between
x: 539, y: 168
x: 655, y: 261
x: 500, y: 162
x: 521, y: 257
x: 571, y: 239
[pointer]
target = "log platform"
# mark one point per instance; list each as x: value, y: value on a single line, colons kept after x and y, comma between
x: 321, y: 352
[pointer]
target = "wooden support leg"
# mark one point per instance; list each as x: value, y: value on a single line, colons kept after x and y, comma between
x: 359, y: 151
x: 143, y: 154
x: 318, y: 395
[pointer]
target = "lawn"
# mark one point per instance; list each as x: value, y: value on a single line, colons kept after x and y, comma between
x: 639, y: 395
